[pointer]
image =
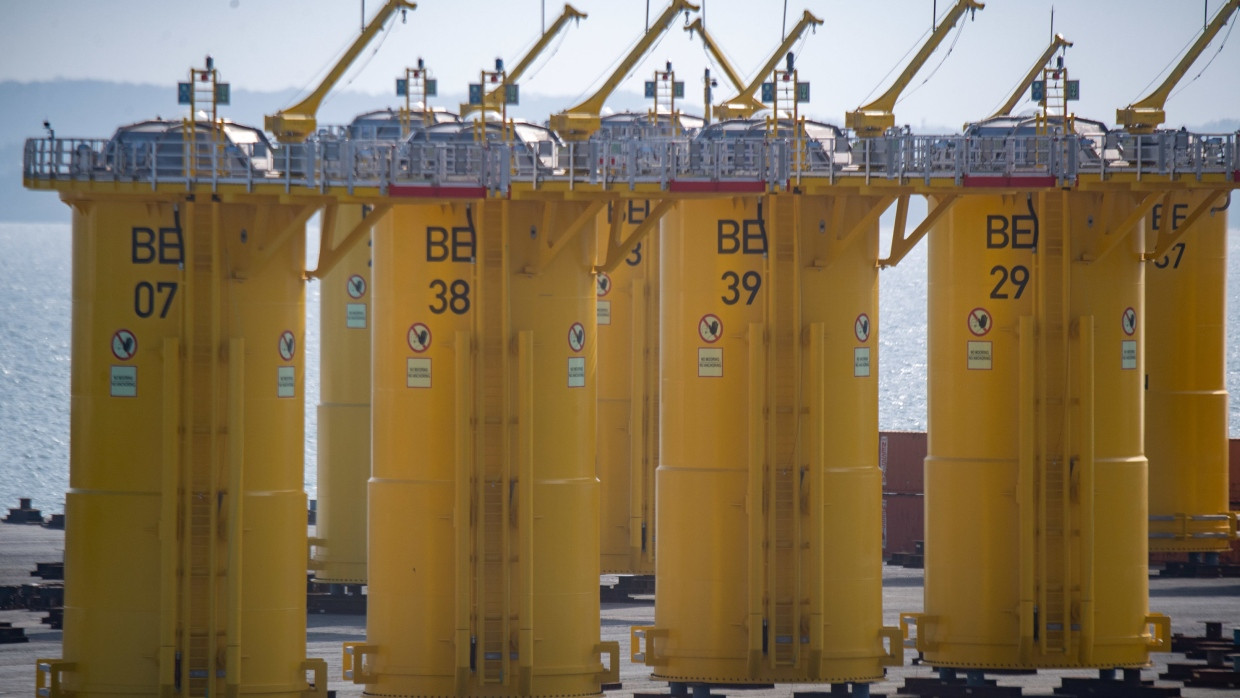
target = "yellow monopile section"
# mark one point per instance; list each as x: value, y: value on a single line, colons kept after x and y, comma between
x: 1186, y: 396
x: 769, y: 502
x: 628, y: 377
x: 184, y: 550
x: 484, y: 538
x: 1035, y: 478
x: 344, y: 407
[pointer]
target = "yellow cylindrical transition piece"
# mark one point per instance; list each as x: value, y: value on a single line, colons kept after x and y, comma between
x: 628, y: 394
x: 186, y: 529
x: 1035, y: 477
x: 339, y: 551
x: 1186, y: 393
x: 769, y: 502
x: 484, y: 538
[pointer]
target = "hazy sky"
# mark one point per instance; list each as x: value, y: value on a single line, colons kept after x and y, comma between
x: 1121, y: 45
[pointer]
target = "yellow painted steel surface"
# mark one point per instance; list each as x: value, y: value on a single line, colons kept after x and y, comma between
x: 1186, y: 396
x: 484, y: 543
x: 1035, y: 477
x: 628, y: 377
x: 344, y: 409
x: 769, y: 551
x: 186, y: 533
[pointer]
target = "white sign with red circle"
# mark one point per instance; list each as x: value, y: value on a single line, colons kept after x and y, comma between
x: 288, y: 345
x: 602, y: 284
x: 419, y: 337
x: 576, y: 337
x: 124, y: 345
x: 979, y: 322
x: 861, y: 327
x: 710, y: 328
x: 356, y: 286
x: 1128, y: 321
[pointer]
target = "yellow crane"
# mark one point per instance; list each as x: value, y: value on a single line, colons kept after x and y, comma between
x: 578, y: 123
x: 493, y: 101
x: 728, y: 70
x: 877, y: 116
x: 1148, y: 114
x: 297, y: 123
x: 745, y: 104
x: 1056, y: 43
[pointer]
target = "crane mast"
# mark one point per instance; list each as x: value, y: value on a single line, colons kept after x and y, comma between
x: 878, y: 116
x: 578, y: 123
x: 1056, y: 43
x: 493, y: 100
x: 297, y: 123
x: 744, y: 104
x: 1148, y: 114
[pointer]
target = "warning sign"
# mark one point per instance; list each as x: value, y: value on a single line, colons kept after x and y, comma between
x: 604, y: 312
x: 576, y: 371
x: 356, y: 286
x: 603, y: 282
x: 861, y: 327
x: 288, y: 345
x: 861, y: 362
x: 980, y: 357
x: 1128, y: 321
x: 710, y: 328
x: 576, y: 337
x: 419, y: 337
x: 124, y: 345
x: 710, y: 362
x: 1128, y: 354
x: 286, y: 381
x: 124, y: 381
x: 355, y: 316
x: 979, y: 322
x: 417, y: 372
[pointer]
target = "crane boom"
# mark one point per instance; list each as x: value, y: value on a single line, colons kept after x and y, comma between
x: 1148, y: 114
x: 295, y: 124
x: 877, y: 116
x: 493, y: 100
x: 1019, y: 92
x: 709, y: 42
x: 580, y: 122
x: 744, y: 104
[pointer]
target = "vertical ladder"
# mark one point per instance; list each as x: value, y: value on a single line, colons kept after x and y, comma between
x: 1052, y: 265
x: 783, y: 368
x: 202, y: 409
x: 492, y: 448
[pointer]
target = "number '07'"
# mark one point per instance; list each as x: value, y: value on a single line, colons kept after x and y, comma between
x: 146, y: 296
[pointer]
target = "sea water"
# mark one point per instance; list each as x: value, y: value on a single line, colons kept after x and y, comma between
x: 35, y: 320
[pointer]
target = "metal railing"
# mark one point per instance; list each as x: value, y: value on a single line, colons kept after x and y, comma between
x: 325, y: 163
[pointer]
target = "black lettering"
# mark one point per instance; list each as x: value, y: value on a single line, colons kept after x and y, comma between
x: 169, y: 243
x: 638, y: 211
x: 436, y: 244
x: 996, y: 232
x: 143, y: 245
x: 1156, y: 217
x: 729, y: 236
x: 1024, y: 233
x: 754, y: 243
x: 1178, y: 215
x: 463, y: 244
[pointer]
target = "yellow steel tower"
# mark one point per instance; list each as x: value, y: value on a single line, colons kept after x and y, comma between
x: 186, y: 513
x: 1035, y: 477
x: 483, y: 433
x: 1186, y: 396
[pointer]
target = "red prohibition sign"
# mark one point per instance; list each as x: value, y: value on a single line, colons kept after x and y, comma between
x: 288, y: 345
x: 1128, y: 321
x: 603, y: 284
x: 979, y: 321
x: 419, y: 337
x: 710, y: 328
x: 124, y: 345
x: 576, y: 337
